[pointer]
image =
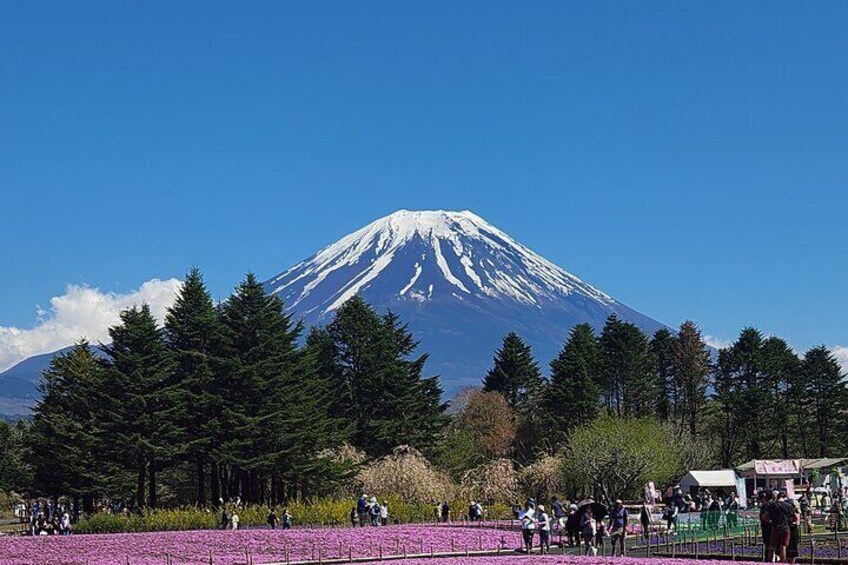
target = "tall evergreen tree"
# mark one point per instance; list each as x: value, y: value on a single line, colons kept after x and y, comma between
x: 193, y: 331
x: 573, y: 396
x: 744, y: 398
x: 62, y: 439
x: 781, y: 370
x: 629, y: 382
x: 662, y: 350
x: 276, y: 407
x: 139, y: 424
x: 378, y: 384
x: 692, y: 368
x: 515, y: 374
x: 827, y: 397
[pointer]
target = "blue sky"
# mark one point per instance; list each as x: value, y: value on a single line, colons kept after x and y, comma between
x: 691, y: 159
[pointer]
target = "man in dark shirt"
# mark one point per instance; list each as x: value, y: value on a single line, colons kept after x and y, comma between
x: 765, y: 525
x: 780, y: 517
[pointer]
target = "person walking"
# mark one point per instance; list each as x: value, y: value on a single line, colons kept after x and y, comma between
x: 362, y: 509
x: 572, y: 526
x: 384, y: 513
x: 588, y: 530
x: 225, y: 519
x: 544, y: 523
x: 65, y: 524
x: 780, y: 515
x: 288, y: 520
x: 446, y: 512
x: 645, y: 520
x: 527, y: 517
x: 765, y: 524
x: 235, y: 521
x: 618, y: 526
x: 272, y: 519
x: 559, y: 513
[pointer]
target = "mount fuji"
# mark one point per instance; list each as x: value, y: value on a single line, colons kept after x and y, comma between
x: 459, y: 282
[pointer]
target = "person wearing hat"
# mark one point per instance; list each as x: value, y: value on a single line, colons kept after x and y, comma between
x: 362, y: 509
x: 384, y: 513
x: 544, y: 523
x: 618, y: 526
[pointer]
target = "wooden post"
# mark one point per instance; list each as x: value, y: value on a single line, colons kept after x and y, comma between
x: 733, y: 551
x: 350, y: 554
x: 812, y: 551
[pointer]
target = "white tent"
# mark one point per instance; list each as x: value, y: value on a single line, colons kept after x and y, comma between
x: 709, y: 479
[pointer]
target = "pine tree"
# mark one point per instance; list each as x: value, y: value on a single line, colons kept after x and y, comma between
x: 692, y: 368
x: 827, y: 397
x: 573, y: 395
x: 743, y: 398
x: 138, y: 427
x: 276, y: 411
x: 629, y: 382
x: 193, y: 331
x: 62, y: 439
x: 516, y: 375
x: 378, y: 384
x: 781, y: 370
x: 662, y: 350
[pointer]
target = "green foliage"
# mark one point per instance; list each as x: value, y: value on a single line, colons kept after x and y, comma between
x: 139, y: 400
x: 319, y: 512
x: 628, y: 383
x: 15, y: 474
x: 572, y: 396
x: 515, y: 374
x: 63, y: 437
x: 377, y: 384
x: 617, y: 456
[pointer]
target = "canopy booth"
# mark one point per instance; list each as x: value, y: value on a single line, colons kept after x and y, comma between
x: 721, y: 479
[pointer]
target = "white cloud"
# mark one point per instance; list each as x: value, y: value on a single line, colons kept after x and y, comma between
x: 841, y: 353
x: 82, y: 312
x: 717, y: 342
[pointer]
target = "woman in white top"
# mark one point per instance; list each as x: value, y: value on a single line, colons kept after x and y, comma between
x: 527, y: 517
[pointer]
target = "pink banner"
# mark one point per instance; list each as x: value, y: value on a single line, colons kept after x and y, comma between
x: 779, y: 467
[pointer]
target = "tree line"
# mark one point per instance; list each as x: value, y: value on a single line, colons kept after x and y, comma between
x: 238, y: 400
x: 755, y: 398
x: 224, y: 401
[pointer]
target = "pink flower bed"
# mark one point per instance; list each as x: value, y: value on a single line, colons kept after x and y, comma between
x: 229, y: 547
x: 552, y: 560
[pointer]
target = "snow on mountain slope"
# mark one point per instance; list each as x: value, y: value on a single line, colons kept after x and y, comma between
x: 460, y: 282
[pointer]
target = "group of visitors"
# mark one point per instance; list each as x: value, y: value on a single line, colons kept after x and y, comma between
x: 780, y: 519
x: 583, y: 526
x: 711, y: 506
x: 44, y: 517
x: 369, y: 511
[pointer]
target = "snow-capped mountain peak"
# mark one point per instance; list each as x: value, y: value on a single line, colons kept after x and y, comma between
x: 427, y: 255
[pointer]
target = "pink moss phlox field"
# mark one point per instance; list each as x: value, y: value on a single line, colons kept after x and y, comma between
x: 228, y: 547
x: 550, y: 560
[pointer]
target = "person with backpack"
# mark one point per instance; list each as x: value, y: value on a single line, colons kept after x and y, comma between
x: 374, y: 512
x: 225, y: 519
x: 544, y: 524
x: 288, y: 520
